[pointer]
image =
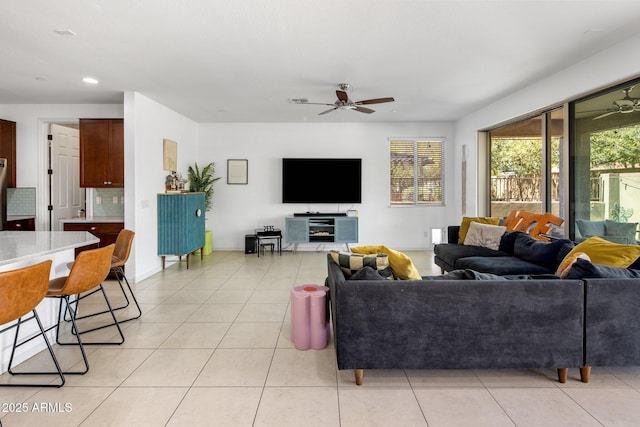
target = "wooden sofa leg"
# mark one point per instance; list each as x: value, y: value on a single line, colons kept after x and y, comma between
x: 563, y: 373
x: 585, y: 373
x: 359, y: 374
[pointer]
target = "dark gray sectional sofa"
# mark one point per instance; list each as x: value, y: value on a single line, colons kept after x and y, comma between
x: 455, y: 324
x: 518, y: 253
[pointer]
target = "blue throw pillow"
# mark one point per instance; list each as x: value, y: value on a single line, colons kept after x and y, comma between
x: 625, y: 231
x: 589, y: 228
x: 546, y: 254
x: 366, y: 273
x: 635, y: 265
x: 583, y: 269
x: 508, y: 241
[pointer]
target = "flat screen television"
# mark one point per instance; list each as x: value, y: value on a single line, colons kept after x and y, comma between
x: 321, y: 180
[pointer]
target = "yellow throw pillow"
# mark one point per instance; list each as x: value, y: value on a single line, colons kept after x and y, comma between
x: 565, y: 267
x: 466, y: 220
x: 400, y: 264
x: 604, y: 252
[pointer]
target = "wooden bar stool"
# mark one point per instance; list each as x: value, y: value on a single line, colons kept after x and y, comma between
x: 21, y: 291
x: 89, y: 270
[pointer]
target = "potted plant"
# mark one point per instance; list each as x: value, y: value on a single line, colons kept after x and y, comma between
x: 202, y: 180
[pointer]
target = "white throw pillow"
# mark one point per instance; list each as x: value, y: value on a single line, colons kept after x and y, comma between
x: 484, y: 235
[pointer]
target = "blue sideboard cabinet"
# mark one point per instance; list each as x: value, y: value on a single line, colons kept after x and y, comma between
x: 180, y: 224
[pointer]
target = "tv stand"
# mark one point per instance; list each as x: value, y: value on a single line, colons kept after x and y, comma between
x: 321, y: 228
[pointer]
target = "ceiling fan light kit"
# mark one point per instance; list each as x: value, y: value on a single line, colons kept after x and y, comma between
x: 344, y: 103
x: 625, y: 105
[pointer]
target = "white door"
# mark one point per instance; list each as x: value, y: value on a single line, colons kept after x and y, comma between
x: 67, y: 198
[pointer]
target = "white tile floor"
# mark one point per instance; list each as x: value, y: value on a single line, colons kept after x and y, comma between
x: 213, y: 348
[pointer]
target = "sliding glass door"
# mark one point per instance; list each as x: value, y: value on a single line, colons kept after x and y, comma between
x: 525, y: 161
x: 605, y: 164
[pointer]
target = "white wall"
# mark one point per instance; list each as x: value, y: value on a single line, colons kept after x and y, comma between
x: 147, y: 124
x: 239, y: 209
x: 613, y: 65
x: 31, y: 141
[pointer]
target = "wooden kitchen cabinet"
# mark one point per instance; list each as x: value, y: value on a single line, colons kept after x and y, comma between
x: 101, y: 153
x: 107, y: 232
x: 25, y: 224
x: 8, y: 149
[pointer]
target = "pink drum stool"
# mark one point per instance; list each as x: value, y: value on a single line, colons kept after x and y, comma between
x: 309, y: 317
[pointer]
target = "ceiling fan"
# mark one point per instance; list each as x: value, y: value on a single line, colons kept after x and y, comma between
x: 624, y: 105
x: 344, y: 103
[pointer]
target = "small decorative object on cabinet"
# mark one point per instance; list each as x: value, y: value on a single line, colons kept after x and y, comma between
x: 102, y: 153
x: 180, y: 224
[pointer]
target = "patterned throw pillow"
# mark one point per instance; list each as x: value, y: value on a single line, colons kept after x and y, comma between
x: 350, y: 263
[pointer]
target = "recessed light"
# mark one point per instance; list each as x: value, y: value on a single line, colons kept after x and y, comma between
x: 90, y: 80
x: 594, y: 31
x: 65, y: 32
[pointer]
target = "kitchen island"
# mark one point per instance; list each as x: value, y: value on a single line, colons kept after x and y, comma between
x: 24, y: 248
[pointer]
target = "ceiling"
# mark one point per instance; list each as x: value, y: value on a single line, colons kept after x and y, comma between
x: 243, y: 60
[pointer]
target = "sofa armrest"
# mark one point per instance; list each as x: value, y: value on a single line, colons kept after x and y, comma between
x: 453, y: 232
x: 612, y: 333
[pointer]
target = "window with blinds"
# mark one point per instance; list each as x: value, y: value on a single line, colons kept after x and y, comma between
x: 416, y: 171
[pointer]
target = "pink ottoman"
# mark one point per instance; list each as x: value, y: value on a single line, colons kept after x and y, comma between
x: 309, y: 317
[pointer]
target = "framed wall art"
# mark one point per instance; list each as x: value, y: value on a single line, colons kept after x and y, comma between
x: 169, y: 155
x: 237, y: 171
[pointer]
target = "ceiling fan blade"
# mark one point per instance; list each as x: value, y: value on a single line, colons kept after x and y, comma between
x: 316, y: 103
x: 604, y: 115
x: 374, y: 101
x: 328, y: 111
x: 342, y: 95
x: 364, y: 110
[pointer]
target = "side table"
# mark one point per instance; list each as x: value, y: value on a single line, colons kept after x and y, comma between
x: 309, y: 317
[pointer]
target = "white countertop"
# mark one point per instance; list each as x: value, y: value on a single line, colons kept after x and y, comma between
x: 23, y: 245
x: 92, y: 219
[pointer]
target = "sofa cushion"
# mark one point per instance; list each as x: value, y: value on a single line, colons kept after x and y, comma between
x: 485, y: 235
x: 501, y: 265
x: 401, y: 265
x: 350, y: 263
x: 635, y: 265
x: 585, y: 269
x: 451, y: 252
x: 546, y: 254
x: 604, y: 252
x: 626, y: 231
x: 564, y: 268
x: 464, y: 226
x: 468, y: 275
x: 366, y: 273
x: 589, y: 228
x: 508, y: 241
